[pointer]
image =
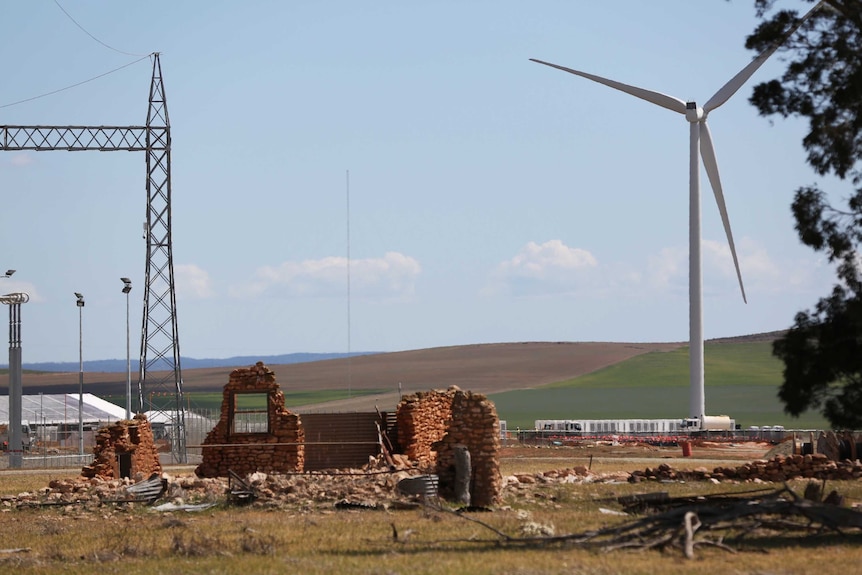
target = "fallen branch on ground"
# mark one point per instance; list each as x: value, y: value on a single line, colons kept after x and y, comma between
x: 685, y: 525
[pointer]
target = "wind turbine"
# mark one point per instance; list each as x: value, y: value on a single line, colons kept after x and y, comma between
x: 700, y: 145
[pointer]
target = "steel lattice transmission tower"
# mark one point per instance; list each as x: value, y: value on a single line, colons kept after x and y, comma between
x: 160, y: 343
x: 160, y: 371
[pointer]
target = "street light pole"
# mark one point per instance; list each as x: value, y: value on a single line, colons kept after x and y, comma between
x: 80, y: 304
x: 14, y: 301
x: 127, y: 287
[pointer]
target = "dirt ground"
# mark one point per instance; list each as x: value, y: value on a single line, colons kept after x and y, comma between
x: 701, y: 451
x: 481, y: 368
x: 486, y: 369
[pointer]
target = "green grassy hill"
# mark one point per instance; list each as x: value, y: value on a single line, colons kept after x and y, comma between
x: 742, y: 381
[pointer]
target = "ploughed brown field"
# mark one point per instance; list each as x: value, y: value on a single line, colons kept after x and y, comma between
x: 481, y: 368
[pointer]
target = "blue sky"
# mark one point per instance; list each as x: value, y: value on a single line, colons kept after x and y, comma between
x: 491, y: 199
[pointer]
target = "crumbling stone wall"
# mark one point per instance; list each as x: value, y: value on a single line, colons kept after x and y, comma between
x: 431, y: 424
x: 133, y: 437
x: 421, y: 420
x: 279, y: 449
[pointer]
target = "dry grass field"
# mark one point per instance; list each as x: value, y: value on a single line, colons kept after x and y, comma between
x: 516, y: 537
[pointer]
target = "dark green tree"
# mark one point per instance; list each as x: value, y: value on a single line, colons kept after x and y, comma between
x: 822, y: 82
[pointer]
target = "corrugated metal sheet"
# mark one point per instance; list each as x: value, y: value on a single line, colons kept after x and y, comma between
x: 339, y: 440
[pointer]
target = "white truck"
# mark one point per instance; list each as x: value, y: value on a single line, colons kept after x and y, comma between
x: 709, y: 423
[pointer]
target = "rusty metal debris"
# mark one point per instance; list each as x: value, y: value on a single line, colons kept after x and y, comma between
x: 147, y: 491
x: 183, y: 506
x: 346, y: 504
x: 239, y: 492
x: 423, y: 486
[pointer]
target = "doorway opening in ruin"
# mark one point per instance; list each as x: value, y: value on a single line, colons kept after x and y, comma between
x: 124, y: 465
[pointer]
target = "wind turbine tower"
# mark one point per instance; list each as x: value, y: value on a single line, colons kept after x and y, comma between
x: 700, y: 146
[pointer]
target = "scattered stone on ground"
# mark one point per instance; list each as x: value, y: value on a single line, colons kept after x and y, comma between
x: 374, y: 485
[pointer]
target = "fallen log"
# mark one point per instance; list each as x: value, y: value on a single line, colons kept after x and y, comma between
x: 686, y: 523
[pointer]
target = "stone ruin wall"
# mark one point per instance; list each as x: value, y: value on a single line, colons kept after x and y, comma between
x: 421, y: 422
x: 431, y: 424
x: 278, y: 451
x: 133, y: 437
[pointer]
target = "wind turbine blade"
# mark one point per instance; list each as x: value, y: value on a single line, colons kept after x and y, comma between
x: 663, y: 100
x: 707, y: 153
x: 729, y: 89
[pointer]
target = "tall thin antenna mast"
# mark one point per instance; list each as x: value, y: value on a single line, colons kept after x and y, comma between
x: 348, y: 286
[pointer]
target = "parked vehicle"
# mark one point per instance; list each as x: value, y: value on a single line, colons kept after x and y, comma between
x: 28, y: 436
x: 709, y: 423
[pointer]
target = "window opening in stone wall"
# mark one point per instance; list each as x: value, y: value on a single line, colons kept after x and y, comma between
x: 250, y: 413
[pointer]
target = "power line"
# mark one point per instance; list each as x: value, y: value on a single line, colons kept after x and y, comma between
x: 84, y: 30
x: 74, y: 85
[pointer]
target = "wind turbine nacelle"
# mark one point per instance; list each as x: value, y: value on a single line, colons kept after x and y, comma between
x: 693, y: 112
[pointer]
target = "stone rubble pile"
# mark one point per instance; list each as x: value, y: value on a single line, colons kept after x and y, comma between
x: 522, y: 483
x: 372, y: 486
x: 779, y: 468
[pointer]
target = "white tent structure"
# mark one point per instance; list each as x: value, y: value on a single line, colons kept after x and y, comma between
x: 62, y: 408
x: 169, y: 417
x: 197, y: 426
x: 54, y: 417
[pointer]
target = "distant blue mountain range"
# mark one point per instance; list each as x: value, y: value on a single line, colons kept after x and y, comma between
x: 120, y: 365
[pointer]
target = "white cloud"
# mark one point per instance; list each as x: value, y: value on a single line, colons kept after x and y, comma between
x: 667, y: 269
x: 761, y: 272
x: 21, y: 159
x: 192, y: 282
x: 544, y: 269
x: 755, y: 264
x: 552, y: 268
x: 393, y: 275
x: 536, y: 260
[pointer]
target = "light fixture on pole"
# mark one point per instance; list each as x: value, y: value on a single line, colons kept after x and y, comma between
x: 127, y: 287
x: 8, y: 274
x: 80, y: 304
